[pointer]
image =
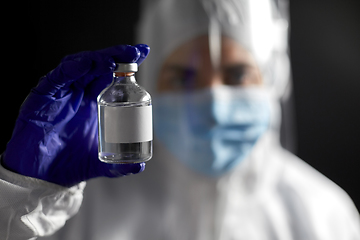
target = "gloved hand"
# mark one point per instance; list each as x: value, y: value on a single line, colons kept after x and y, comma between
x: 56, y: 136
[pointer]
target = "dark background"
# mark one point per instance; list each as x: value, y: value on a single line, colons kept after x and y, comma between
x: 325, y: 54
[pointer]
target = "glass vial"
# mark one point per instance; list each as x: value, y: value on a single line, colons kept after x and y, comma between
x: 125, y: 119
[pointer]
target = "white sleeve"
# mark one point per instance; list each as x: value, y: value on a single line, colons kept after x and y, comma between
x: 31, y: 207
x: 321, y: 209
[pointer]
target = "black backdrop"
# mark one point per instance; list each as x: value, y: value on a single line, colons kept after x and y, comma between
x: 325, y: 54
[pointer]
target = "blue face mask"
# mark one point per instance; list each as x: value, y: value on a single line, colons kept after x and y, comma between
x: 211, y: 130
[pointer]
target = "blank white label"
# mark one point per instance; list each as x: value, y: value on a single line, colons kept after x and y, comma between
x: 128, y: 124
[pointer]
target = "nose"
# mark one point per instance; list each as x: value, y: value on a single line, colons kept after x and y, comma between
x: 212, y: 80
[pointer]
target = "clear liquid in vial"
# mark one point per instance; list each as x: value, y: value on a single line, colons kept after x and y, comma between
x: 109, y: 152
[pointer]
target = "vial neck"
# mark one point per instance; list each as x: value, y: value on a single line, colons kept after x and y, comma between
x: 124, y: 77
x: 123, y: 74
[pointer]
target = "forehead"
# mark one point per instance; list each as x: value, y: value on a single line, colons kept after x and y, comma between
x: 196, y: 52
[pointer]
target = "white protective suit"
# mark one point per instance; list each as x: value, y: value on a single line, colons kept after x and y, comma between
x: 270, y: 195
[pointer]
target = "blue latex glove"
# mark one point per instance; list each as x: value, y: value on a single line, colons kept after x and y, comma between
x: 56, y: 136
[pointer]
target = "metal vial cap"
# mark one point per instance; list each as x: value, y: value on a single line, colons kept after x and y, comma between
x: 126, y: 67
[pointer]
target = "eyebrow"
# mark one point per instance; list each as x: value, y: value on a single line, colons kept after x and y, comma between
x: 237, y: 66
x: 178, y: 68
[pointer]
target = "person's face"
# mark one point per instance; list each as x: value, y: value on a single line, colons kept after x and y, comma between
x: 189, y: 67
